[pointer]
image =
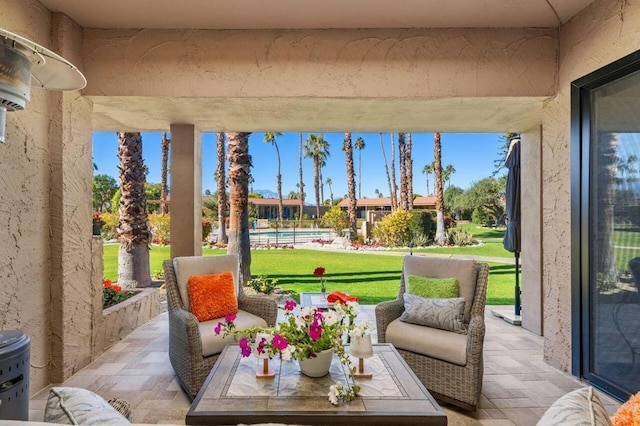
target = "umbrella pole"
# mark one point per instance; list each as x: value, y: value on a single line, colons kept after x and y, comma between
x: 517, y: 256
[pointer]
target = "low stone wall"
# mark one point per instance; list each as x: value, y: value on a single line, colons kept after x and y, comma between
x: 114, y: 323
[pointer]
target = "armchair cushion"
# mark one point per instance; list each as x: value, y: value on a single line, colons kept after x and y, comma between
x: 579, y: 407
x: 72, y: 406
x: 445, y: 314
x: 464, y: 271
x: 443, y: 345
x: 212, y: 296
x: 432, y: 287
x: 213, y: 344
x: 188, y: 266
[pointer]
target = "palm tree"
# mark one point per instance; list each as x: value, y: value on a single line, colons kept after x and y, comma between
x: 164, y: 189
x: 359, y: 145
x: 316, y: 148
x: 222, y: 190
x: 133, y: 229
x: 347, y: 147
x: 378, y: 193
x: 271, y: 138
x: 301, y: 184
x: 329, y: 182
x: 441, y: 235
x: 394, y: 187
x: 446, y: 174
x: 386, y: 169
x: 293, y: 195
x: 427, y: 170
x: 239, y: 171
x: 409, y: 161
x: 402, y: 160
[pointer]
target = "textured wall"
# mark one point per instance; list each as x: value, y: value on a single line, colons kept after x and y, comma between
x: 602, y: 33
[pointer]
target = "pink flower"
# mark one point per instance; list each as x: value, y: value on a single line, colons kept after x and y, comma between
x: 244, y: 347
x: 279, y: 342
x: 289, y: 305
x: 315, y: 330
x: 230, y: 318
x: 218, y: 328
x: 261, y: 345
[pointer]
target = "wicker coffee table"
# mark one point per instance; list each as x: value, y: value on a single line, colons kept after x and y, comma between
x: 232, y: 394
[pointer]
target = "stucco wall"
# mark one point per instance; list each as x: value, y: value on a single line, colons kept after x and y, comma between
x: 602, y: 33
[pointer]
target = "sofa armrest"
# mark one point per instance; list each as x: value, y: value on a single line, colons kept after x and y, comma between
x: 385, y: 313
x: 261, y: 306
x: 185, y: 341
x: 475, y: 340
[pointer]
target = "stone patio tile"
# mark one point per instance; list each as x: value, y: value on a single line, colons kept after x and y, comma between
x: 521, y: 416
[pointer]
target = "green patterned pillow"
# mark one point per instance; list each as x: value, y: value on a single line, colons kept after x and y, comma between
x: 446, y: 314
x: 440, y: 288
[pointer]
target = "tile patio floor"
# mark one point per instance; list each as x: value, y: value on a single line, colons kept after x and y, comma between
x: 518, y: 386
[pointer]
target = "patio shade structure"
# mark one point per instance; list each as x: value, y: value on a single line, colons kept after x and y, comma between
x: 511, y: 240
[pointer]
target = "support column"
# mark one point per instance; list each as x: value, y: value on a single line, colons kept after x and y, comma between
x: 186, y: 191
x: 531, y: 199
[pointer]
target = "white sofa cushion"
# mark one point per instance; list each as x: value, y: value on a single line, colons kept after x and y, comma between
x: 76, y: 406
x: 188, y: 266
x: 444, y: 345
x: 463, y: 270
x: 579, y: 407
x: 213, y: 344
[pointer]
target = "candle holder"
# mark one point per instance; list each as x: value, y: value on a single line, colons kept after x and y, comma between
x: 267, y: 371
x: 362, y: 348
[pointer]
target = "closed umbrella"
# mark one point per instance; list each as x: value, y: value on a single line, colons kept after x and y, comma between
x: 511, y: 239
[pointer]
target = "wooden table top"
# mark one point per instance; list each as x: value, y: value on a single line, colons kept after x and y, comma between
x: 232, y: 394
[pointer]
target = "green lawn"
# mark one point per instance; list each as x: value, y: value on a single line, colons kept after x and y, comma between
x: 371, y: 277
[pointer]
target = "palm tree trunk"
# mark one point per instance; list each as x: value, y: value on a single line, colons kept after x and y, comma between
x: 222, y: 190
x: 351, y: 187
x: 321, y: 185
x: 359, y: 173
x: 316, y: 183
x: 239, y: 170
x: 386, y: 170
x: 279, y: 183
x: 441, y: 235
x: 409, y: 173
x: 164, y: 189
x: 403, y: 172
x: 133, y: 230
x: 301, y: 182
x: 394, y: 193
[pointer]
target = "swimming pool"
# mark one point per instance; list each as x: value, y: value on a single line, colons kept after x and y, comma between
x: 290, y: 236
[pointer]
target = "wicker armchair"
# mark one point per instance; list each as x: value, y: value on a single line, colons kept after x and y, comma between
x: 448, y: 364
x: 192, y: 357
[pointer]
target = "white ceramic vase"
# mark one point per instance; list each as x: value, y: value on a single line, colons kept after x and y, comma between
x: 318, y: 366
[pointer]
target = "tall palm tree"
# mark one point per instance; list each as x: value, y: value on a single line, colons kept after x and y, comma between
x: 409, y: 172
x: 427, y: 170
x: 239, y: 171
x: 222, y: 189
x: 386, y: 169
x: 347, y: 147
x: 446, y: 174
x: 394, y: 184
x: 301, y: 184
x: 133, y: 228
x: 316, y: 148
x: 164, y: 188
x: 359, y: 145
x: 271, y: 138
x: 402, y: 161
x: 441, y: 235
x: 329, y: 182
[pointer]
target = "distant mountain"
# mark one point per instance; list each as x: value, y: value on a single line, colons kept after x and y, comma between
x: 266, y: 193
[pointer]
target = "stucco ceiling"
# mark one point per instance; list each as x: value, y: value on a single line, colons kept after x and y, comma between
x: 295, y: 14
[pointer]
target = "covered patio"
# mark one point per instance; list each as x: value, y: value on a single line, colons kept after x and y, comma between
x: 518, y: 385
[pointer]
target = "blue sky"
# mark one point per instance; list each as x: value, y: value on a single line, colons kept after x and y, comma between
x: 472, y: 155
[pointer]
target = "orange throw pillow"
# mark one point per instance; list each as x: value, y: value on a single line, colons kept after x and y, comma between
x: 212, y: 296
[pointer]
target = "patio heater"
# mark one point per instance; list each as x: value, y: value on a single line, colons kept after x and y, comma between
x: 23, y: 64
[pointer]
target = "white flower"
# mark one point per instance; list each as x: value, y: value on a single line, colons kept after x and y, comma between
x: 307, y: 311
x: 355, y: 306
x: 334, y: 393
x: 287, y: 353
x: 331, y: 318
x: 359, y: 329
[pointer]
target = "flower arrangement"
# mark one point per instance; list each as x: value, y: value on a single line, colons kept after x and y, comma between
x: 319, y: 272
x: 112, y: 294
x: 303, y: 336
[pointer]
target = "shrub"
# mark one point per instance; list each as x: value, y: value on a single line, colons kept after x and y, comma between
x: 460, y: 237
x: 112, y: 294
x: 97, y: 223
x: 336, y: 219
x: 393, y: 230
x: 263, y: 284
x: 110, y: 225
x: 479, y: 217
x: 206, y: 228
x: 422, y: 227
x: 160, y: 228
x: 449, y: 222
